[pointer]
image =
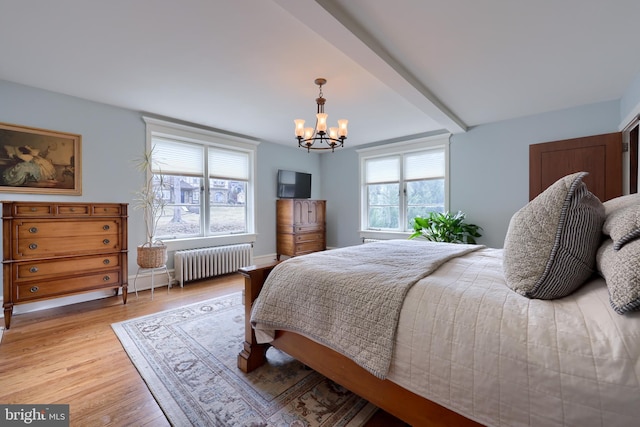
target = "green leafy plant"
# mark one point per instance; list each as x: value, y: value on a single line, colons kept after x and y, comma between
x: 445, y: 227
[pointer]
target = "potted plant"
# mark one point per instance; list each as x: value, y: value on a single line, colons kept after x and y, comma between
x: 153, y: 252
x: 445, y: 227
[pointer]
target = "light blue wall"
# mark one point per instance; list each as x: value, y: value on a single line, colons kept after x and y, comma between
x: 112, y: 136
x: 489, y: 170
x: 489, y: 163
x: 630, y: 102
x: 341, y: 189
x: 272, y: 157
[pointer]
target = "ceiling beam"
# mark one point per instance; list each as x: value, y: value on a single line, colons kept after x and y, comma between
x: 331, y: 22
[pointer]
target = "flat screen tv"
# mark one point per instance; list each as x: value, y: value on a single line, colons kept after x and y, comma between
x: 294, y: 185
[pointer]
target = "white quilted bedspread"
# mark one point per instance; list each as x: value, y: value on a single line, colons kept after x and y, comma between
x: 469, y: 343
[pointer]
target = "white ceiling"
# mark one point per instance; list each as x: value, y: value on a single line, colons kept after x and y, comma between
x: 394, y: 67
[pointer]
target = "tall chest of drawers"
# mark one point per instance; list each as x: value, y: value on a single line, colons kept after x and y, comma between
x: 300, y: 226
x: 57, y: 249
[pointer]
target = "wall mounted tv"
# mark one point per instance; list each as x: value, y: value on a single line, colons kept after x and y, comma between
x: 294, y: 185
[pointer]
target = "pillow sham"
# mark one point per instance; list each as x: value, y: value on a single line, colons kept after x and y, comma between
x: 622, y: 225
x: 621, y: 270
x: 551, y: 243
x: 621, y: 202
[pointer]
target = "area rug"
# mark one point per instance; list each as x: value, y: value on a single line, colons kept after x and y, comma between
x: 187, y: 357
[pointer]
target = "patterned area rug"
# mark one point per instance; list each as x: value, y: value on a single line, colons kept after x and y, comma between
x: 187, y: 357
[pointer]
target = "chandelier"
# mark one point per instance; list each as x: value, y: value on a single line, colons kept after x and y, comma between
x: 317, y: 138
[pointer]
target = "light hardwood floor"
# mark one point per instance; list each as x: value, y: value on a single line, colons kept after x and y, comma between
x: 70, y: 355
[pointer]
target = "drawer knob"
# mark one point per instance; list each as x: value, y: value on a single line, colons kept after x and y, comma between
x: 33, y: 269
x: 106, y: 261
x: 72, y: 209
x: 33, y: 209
x: 33, y: 246
x: 34, y: 289
x: 105, y: 227
x: 105, y: 241
x: 106, y: 278
x: 33, y: 230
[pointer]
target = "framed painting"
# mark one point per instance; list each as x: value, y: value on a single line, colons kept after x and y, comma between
x: 39, y: 161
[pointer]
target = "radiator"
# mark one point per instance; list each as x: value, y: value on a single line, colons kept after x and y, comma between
x: 193, y: 264
x: 364, y: 240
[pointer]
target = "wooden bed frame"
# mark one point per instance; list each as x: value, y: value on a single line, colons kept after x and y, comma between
x: 399, y: 402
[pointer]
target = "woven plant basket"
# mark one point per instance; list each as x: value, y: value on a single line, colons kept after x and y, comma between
x: 152, y: 256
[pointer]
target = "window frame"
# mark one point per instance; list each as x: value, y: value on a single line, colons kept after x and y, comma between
x: 398, y: 149
x: 207, y: 138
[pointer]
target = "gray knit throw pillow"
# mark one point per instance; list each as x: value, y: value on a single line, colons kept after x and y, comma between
x: 551, y: 243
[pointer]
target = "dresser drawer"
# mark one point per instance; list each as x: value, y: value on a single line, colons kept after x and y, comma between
x: 46, y: 289
x: 309, y: 228
x: 38, y: 270
x: 32, y: 209
x: 292, y: 229
x: 29, y: 229
x: 74, y: 210
x: 106, y: 210
x: 309, y: 237
x: 306, y: 247
x: 58, y: 247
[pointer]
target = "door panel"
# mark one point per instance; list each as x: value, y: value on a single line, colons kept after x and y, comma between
x: 633, y: 156
x: 600, y: 155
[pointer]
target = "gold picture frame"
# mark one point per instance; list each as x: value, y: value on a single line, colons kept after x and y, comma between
x: 39, y: 161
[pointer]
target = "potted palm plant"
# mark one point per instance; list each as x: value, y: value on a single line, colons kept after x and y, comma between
x: 153, y: 252
x: 445, y: 227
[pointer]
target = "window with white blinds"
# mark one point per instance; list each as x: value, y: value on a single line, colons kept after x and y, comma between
x: 228, y: 164
x: 175, y: 157
x: 386, y: 169
x: 402, y: 181
x: 206, y: 179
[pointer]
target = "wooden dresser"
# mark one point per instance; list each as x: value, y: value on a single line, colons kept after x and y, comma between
x: 57, y: 249
x: 300, y: 226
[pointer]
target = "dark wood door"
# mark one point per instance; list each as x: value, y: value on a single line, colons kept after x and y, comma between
x: 634, y: 135
x: 600, y: 155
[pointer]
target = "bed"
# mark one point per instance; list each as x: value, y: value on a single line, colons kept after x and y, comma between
x: 482, y: 336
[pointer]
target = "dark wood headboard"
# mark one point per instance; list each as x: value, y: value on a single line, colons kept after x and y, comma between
x: 600, y: 155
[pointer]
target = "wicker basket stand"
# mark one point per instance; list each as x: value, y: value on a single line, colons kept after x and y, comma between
x: 152, y: 255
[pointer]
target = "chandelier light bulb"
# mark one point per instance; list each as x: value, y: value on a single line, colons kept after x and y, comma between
x: 308, y: 133
x: 322, y: 122
x: 299, y: 127
x: 342, y: 127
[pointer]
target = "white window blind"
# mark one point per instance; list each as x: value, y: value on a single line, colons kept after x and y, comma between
x: 228, y: 164
x: 171, y: 157
x: 382, y: 170
x: 424, y: 165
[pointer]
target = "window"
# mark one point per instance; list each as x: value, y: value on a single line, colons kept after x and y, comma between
x: 206, y: 180
x: 401, y: 181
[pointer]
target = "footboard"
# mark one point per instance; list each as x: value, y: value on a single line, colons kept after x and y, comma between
x: 400, y: 402
x: 253, y: 354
